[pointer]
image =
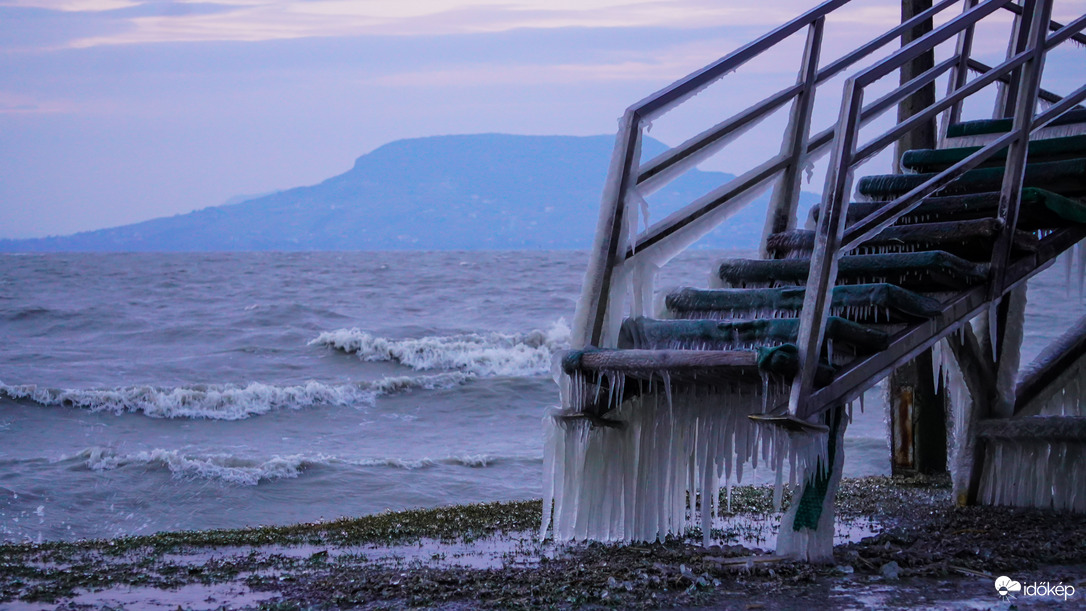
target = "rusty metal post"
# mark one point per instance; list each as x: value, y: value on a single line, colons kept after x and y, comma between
x: 917, y: 419
x: 917, y: 413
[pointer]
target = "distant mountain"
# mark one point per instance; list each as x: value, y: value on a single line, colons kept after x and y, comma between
x: 485, y: 191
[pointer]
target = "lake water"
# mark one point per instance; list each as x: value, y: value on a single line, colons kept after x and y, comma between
x: 149, y: 392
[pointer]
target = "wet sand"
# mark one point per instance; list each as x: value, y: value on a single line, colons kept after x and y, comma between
x: 900, y: 544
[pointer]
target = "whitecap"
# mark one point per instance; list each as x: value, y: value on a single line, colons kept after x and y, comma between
x: 252, y: 471
x: 228, y: 401
x: 221, y: 467
x: 484, y: 354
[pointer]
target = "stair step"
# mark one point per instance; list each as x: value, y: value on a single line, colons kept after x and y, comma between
x: 1040, y: 209
x: 1050, y: 149
x: 678, y: 365
x: 870, y: 302
x: 1066, y: 177
x: 927, y: 271
x: 744, y: 366
x: 1034, y: 428
x: 654, y: 334
x: 970, y: 239
x: 1002, y: 126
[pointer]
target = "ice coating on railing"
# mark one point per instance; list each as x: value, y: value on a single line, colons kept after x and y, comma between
x: 691, y: 161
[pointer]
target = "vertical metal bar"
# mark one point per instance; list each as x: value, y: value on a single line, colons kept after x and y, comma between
x: 823, y: 271
x: 592, y: 310
x: 1020, y: 41
x: 960, y: 73
x: 1012, y: 47
x: 1025, y: 105
x: 782, y: 208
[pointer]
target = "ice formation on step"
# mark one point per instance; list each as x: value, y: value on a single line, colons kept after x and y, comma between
x: 1035, y: 473
x: 659, y: 471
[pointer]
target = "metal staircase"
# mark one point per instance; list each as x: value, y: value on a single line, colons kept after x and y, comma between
x: 827, y: 312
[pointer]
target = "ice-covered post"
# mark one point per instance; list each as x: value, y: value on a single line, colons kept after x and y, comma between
x: 806, y: 532
x: 782, y: 208
x: 917, y: 410
x: 597, y: 303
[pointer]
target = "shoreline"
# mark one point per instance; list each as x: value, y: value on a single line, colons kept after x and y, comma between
x: 923, y: 552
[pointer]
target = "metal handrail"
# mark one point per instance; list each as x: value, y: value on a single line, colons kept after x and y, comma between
x: 1022, y: 70
x: 1053, y: 26
x: 627, y: 180
x: 617, y: 251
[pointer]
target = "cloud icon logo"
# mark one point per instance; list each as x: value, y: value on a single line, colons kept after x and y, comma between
x: 1005, y: 586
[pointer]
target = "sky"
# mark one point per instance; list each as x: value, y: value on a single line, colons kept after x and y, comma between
x: 116, y: 111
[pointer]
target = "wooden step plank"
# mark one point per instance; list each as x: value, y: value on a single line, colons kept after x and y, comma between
x: 898, y: 303
x: 928, y: 271
x: 1002, y: 126
x: 679, y: 365
x: 969, y: 239
x: 1066, y: 177
x: 650, y: 333
x: 1050, y: 149
x: 692, y: 366
x: 1040, y: 209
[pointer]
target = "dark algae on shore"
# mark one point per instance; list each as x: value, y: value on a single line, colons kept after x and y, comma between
x: 487, y: 556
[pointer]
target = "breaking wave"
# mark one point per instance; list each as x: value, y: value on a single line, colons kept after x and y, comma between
x: 216, y: 467
x: 482, y: 354
x: 227, y: 401
x: 250, y: 472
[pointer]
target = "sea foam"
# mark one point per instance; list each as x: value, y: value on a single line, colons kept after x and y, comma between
x: 227, y: 401
x: 483, y: 354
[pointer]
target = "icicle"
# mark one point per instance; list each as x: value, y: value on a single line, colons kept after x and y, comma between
x: 937, y: 364
x: 1081, y: 270
x: 765, y: 390
x: 1068, y: 264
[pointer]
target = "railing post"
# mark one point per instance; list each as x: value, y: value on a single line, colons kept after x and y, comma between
x: 960, y: 73
x: 1025, y: 104
x: 1019, y: 40
x: 823, y: 270
x: 592, y: 310
x: 782, y: 207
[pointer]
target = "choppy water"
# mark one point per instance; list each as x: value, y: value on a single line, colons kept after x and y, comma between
x: 148, y: 392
